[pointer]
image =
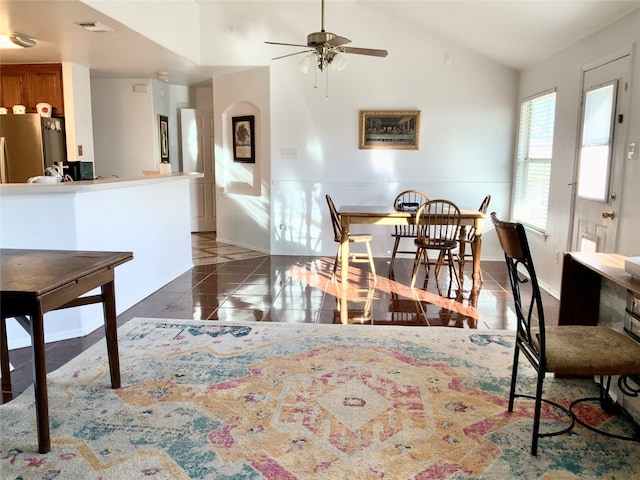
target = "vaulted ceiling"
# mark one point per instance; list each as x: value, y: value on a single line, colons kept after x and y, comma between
x: 514, y: 33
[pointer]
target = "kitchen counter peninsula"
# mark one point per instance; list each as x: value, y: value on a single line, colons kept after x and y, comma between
x: 100, y: 183
x: 147, y: 215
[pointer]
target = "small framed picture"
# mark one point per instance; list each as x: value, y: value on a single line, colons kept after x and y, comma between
x: 390, y: 129
x: 244, y: 145
x: 163, y: 129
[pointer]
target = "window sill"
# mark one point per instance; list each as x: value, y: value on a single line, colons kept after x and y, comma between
x: 536, y: 232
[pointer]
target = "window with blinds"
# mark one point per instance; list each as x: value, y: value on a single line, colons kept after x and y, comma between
x: 533, y: 161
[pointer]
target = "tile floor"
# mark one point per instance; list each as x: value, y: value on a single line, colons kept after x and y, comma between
x: 237, y: 284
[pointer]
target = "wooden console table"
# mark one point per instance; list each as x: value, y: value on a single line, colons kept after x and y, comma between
x: 582, y: 274
x: 34, y: 282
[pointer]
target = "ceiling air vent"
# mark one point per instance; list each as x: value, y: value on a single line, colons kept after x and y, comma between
x: 95, y: 27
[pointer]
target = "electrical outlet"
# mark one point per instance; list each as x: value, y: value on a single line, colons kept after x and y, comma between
x: 79, y: 150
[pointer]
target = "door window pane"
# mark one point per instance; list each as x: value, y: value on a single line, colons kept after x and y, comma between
x: 595, y: 153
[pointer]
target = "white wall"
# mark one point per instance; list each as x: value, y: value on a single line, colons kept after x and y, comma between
x: 563, y: 71
x: 126, y: 124
x: 243, y: 190
x: 468, y: 114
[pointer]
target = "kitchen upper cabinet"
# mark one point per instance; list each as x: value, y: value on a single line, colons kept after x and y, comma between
x: 13, y: 85
x: 31, y: 84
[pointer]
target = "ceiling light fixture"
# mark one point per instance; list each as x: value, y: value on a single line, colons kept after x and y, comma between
x: 163, y: 76
x: 16, y: 40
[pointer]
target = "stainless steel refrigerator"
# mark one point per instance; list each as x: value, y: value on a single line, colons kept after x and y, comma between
x: 29, y: 143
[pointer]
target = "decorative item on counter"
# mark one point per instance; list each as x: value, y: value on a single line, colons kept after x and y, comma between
x: 44, y: 109
x: 45, y: 179
x: 51, y: 175
x: 19, y: 109
x: 165, y: 168
x: 3, y: 110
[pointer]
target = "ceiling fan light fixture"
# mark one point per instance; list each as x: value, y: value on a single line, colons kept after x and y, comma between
x: 327, y: 49
x: 340, y: 61
x: 308, y: 62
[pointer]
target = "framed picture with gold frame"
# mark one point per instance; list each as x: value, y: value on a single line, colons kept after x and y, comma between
x: 389, y: 129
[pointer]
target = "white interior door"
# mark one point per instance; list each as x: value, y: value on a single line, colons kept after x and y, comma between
x: 605, y: 105
x: 197, y: 156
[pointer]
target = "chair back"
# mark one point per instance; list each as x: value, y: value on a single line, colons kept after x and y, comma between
x: 484, y: 206
x: 335, y: 220
x: 513, y: 240
x: 438, y: 225
x: 408, y: 201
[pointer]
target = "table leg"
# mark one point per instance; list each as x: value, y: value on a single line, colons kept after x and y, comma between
x: 111, y: 331
x: 40, y: 380
x: 4, y: 362
x: 344, y: 307
x: 461, y: 252
x: 344, y: 256
x: 476, y: 247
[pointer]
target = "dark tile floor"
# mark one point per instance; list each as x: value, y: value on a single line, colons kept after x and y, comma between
x: 229, y: 283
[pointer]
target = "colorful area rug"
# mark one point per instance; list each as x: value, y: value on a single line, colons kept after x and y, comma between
x: 208, y: 400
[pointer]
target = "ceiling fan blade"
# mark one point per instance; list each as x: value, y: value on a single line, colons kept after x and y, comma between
x: 365, y: 51
x: 338, y: 41
x: 292, y: 54
x: 288, y: 44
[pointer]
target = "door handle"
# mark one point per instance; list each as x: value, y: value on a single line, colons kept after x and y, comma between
x: 610, y: 215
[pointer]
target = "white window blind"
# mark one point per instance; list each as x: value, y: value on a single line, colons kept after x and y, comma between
x: 533, y: 161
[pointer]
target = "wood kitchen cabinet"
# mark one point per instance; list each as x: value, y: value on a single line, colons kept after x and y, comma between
x: 31, y: 84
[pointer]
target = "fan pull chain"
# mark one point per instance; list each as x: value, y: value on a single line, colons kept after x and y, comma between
x: 326, y: 88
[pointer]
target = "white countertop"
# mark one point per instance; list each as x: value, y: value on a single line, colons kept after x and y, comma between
x: 90, y: 185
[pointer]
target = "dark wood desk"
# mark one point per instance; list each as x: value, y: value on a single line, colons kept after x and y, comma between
x: 34, y: 282
x: 582, y: 274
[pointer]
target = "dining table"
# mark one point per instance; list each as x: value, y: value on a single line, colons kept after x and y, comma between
x: 386, y: 215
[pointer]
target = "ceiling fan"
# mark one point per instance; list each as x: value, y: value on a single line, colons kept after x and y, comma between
x: 327, y: 46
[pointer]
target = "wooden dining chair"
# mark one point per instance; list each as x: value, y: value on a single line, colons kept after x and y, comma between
x: 566, y: 350
x: 365, y: 238
x: 437, y: 228
x: 407, y: 201
x: 470, y: 238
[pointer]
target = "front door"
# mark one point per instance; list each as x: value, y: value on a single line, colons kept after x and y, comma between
x: 605, y: 108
